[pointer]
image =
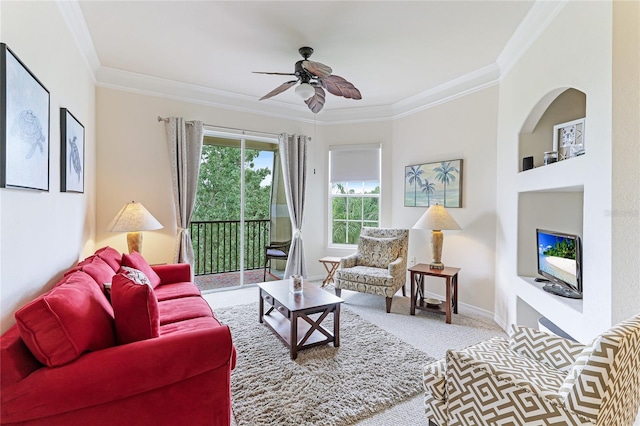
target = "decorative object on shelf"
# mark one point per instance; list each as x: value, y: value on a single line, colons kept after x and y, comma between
x: 527, y: 163
x: 550, y: 157
x: 24, y: 124
x: 433, y: 183
x: 71, y: 153
x: 432, y: 301
x: 568, y: 138
x: 437, y: 219
x: 296, y: 283
x: 133, y: 218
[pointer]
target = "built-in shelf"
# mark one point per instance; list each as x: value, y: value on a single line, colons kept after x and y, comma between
x: 566, y: 175
x: 564, y: 312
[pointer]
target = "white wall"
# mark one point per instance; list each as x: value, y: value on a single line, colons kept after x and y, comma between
x: 462, y: 128
x: 580, y: 58
x: 43, y: 233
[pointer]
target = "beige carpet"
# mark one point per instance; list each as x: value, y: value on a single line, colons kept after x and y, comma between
x: 371, y: 371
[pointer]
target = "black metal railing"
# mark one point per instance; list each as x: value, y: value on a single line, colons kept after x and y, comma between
x: 216, y: 245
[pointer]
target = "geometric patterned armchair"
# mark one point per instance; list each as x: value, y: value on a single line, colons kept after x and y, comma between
x: 539, y: 379
x: 379, y: 266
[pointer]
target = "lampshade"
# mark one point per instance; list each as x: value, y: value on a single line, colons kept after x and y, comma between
x: 305, y: 90
x: 133, y: 218
x: 436, y: 218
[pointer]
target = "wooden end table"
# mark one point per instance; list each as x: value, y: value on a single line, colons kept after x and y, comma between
x: 292, y: 319
x: 331, y: 264
x: 418, y: 272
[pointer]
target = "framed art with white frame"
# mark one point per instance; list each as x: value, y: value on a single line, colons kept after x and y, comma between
x: 568, y: 139
x: 24, y: 124
x: 71, y: 153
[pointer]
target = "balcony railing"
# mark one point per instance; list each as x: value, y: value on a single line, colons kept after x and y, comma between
x: 216, y: 245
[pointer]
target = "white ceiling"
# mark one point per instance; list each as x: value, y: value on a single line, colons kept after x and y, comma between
x: 392, y: 51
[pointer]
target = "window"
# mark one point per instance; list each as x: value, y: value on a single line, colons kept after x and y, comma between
x: 355, y: 191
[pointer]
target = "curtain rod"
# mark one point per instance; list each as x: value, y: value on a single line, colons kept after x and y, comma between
x: 226, y: 128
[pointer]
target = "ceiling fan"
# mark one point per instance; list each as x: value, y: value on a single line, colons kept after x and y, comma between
x: 314, y: 77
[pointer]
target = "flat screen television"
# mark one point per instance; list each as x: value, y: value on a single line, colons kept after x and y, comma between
x: 560, y: 262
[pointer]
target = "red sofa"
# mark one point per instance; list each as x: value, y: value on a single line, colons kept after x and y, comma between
x: 157, y: 356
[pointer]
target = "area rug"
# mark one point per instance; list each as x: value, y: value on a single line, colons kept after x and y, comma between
x: 370, y: 371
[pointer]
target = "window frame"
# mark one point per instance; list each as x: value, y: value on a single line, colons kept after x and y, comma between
x: 361, y: 195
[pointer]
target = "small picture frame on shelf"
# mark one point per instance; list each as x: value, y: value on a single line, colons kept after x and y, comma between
x: 568, y: 139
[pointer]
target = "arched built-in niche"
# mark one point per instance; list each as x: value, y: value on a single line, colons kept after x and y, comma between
x: 556, y: 107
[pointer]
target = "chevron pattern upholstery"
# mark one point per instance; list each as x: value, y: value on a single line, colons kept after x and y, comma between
x: 379, y: 265
x: 534, y: 378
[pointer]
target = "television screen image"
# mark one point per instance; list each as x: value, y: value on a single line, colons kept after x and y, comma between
x: 559, y: 258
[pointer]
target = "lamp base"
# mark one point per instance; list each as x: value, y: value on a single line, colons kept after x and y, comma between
x: 436, y: 265
x: 134, y: 242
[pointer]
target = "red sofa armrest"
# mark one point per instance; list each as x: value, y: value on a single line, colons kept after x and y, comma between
x: 173, y: 273
x: 116, y: 373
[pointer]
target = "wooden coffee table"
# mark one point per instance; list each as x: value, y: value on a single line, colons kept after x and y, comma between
x: 292, y: 317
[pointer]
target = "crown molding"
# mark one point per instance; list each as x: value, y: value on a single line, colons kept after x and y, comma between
x: 73, y: 17
x: 535, y: 22
x: 539, y: 17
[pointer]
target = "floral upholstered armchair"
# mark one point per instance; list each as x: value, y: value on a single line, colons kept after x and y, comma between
x: 379, y: 266
x: 538, y: 378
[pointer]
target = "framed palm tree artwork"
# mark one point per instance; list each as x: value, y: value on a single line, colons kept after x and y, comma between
x: 433, y: 183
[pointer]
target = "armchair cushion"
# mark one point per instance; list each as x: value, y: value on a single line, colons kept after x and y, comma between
x: 377, y: 252
x: 557, y: 352
x: 367, y: 275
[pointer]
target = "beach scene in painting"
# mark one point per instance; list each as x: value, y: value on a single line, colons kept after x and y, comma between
x: 433, y: 183
x: 557, y: 257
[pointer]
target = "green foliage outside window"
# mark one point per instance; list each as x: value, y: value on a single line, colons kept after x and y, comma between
x: 352, y: 207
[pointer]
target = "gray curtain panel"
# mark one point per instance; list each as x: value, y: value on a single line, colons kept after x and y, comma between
x: 293, y: 150
x: 185, y: 147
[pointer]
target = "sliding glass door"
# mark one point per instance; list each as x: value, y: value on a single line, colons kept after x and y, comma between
x: 232, y: 219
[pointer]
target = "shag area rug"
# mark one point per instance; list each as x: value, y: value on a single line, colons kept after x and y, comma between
x: 370, y: 371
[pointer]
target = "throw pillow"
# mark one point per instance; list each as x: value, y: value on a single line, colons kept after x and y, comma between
x: 135, y: 260
x: 97, y: 268
x: 70, y: 319
x: 377, y: 252
x: 111, y: 256
x: 135, y: 307
x: 134, y: 275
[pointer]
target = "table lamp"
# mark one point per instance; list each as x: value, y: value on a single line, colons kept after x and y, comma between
x: 437, y: 219
x: 133, y: 218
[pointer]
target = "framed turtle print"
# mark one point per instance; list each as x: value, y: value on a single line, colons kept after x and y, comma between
x: 71, y: 153
x: 568, y: 139
x: 24, y: 124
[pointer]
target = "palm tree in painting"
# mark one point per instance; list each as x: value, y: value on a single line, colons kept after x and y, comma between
x: 428, y: 188
x: 445, y: 174
x: 413, y: 177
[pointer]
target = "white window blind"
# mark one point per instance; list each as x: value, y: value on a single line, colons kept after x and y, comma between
x: 349, y: 163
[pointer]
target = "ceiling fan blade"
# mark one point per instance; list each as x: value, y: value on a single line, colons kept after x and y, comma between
x: 317, y: 69
x: 273, y: 73
x: 316, y: 102
x: 338, y: 86
x: 279, y: 89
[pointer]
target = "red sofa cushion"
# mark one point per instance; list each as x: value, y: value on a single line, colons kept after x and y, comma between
x: 97, y: 268
x: 183, y: 308
x: 136, y: 309
x: 135, y: 260
x: 111, y: 256
x: 176, y: 290
x: 70, y: 319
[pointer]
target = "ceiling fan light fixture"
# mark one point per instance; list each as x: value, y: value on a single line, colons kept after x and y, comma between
x: 305, y: 90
